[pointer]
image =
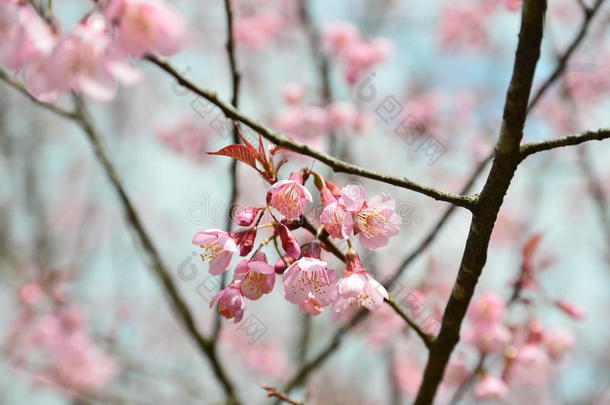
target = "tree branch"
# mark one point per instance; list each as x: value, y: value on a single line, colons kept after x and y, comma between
x: 272, y: 392
x: 534, y: 147
x: 425, y: 337
x: 48, y: 106
x: 505, y: 163
x: 337, y: 165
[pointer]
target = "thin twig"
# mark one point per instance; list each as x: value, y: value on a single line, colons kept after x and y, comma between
x: 425, y: 337
x: 272, y: 392
x: 589, y: 13
x: 534, y: 147
x: 235, y: 82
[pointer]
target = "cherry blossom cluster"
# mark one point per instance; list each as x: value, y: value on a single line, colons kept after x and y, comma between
x: 505, y: 348
x: 49, y: 327
x: 466, y: 23
x: 528, y: 352
x: 94, y: 55
x: 186, y: 138
x: 358, y: 55
x: 308, y: 281
x: 309, y: 123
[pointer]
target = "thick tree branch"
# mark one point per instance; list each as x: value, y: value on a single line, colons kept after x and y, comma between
x: 504, y: 166
x: 337, y: 165
x: 534, y: 147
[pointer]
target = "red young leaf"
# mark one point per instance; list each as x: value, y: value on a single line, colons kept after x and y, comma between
x: 530, y: 246
x: 262, y: 156
x: 239, y: 152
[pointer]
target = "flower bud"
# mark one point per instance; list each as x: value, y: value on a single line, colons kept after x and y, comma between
x: 289, y: 242
x: 246, y: 216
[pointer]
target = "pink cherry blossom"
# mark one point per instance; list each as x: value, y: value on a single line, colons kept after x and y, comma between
x: 338, y: 37
x: 488, y: 309
x: 218, y: 248
x: 256, y: 276
x: 337, y: 220
x: 531, y: 366
x: 357, y: 288
x: 289, y: 197
x: 84, y: 61
x: 362, y: 56
x: 303, y: 123
x: 293, y: 93
x: 463, y: 25
x: 341, y: 116
x: 358, y: 55
x: 406, y: 374
x: 309, y: 277
x: 490, y: 388
x: 489, y: 338
x: 457, y: 370
x: 231, y: 302
x: 30, y: 294
x: 257, y: 31
x: 187, y: 139
x: 376, y: 222
x: 311, y: 305
x: 353, y: 197
x: 25, y: 35
x: 147, y: 26
x: 246, y: 216
x: 558, y: 342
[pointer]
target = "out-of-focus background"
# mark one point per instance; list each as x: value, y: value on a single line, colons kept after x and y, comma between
x: 445, y: 67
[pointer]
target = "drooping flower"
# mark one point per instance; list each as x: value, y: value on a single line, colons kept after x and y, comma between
x: 308, y: 278
x: 289, y: 197
x: 231, y: 302
x: 147, y: 26
x: 357, y: 288
x: 218, y: 248
x: 256, y: 276
x: 289, y: 243
x: 311, y: 306
x: 490, y: 388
